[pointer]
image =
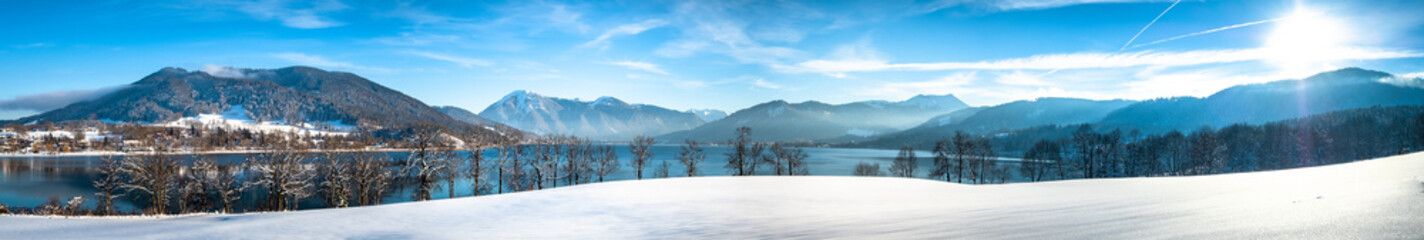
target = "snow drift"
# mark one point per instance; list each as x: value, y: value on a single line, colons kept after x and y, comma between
x: 1381, y: 198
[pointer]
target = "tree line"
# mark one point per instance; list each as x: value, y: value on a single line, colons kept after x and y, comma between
x: 963, y: 158
x: 1329, y: 138
x: 300, y: 173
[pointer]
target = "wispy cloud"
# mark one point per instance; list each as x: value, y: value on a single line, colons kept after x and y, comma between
x: 54, y: 100
x: 295, y: 14
x: 641, y: 66
x: 951, y: 83
x: 1014, y: 5
x: 627, y: 29
x: 462, y: 61
x: 1149, y: 25
x: 322, y: 62
x: 1088, y: 60
x: 759, y: 82
x: 1205, y: 32
x: 32, y: 45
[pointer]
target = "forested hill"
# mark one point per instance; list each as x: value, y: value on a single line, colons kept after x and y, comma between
x: 291, y: 95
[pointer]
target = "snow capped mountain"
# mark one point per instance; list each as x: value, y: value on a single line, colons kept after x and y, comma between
x: 815, y: 121
x: 299, y: 97
x: 708, y: 115
x: 605, y: 118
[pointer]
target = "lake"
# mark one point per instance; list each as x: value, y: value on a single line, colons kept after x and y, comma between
x: 30, y: 181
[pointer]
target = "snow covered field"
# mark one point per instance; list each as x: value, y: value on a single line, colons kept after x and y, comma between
x: 1375, y: 199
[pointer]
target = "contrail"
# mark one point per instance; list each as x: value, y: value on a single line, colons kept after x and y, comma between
x: 1149, y: 24
x: 1209, y: 31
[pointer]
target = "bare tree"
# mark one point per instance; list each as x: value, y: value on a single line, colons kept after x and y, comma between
x: 740, y: 157
x: 477, y: 171
x: 1038, y: 160
x: 963, y: 148
x: 607, y: 162
x: 867, y: 169
x: 153, y: 175
x: 513, y: 170
x: 662, y: 170
x: 690, y: 156
x: 109, y: 183
x: 641, y: 148
x: 285, y: 176
x: 905, y: 163
x: 943, y: 165
x: 452, y: 167
x: 792, y: 160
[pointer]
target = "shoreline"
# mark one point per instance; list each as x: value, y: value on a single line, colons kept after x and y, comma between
x: 97, y: 154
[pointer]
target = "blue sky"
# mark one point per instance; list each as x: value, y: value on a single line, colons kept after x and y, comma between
x: 712, y: 54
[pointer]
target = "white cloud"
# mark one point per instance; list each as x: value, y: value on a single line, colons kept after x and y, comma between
x: 54, y: 100
x: 765, y: 84
x: 32, y: 45
x: 322, y: 62
x: 1088, y: 60
x: 462, y: 61
x: 641, y: 66
x: 224, y: 71
x: 626, y: 29
x: 1015, y: 5
x: 308, y: 16
x: 952, y: 83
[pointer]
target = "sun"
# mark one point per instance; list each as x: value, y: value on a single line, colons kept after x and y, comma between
x: 1307, y: 40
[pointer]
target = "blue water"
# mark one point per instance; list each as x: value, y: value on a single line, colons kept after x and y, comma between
x: 30, y: 181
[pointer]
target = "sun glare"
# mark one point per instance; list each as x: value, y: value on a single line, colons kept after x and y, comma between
x: 1307, y: 40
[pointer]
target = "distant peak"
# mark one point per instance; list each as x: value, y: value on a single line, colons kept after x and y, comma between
x: 606, y: 100
x: 1349, y: 73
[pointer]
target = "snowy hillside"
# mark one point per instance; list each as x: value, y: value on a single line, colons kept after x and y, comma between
x: 1375, y: 199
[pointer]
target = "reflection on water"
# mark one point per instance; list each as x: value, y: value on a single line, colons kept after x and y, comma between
x: 30, y: 181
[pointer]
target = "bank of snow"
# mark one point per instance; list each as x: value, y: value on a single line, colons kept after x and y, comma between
x: 1375, y: 199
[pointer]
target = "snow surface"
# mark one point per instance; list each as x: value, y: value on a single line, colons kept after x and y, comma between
x: 236, y: 117
x: 1375, y: 199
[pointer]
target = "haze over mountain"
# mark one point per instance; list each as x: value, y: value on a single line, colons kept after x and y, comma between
x: 605, y: 118
x: 291, y: 95
x: 816, y: 121
x: 708, y: 115
x: 1343, y: 89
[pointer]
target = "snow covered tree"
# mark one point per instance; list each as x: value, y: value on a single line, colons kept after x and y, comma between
x: 152, y: 175
x: 284, y: 175
x: 905, y: 163
x: 642, y: 151
x: 690, y: 156
x: 109, y: 183
x: 193, y: 194
x: 867, y: 169
x: 336, y: 178
x: 512, y: 171
x: 371, y: 177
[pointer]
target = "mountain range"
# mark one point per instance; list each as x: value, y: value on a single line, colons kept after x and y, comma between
x: 817, y: 121
x: 605, y: 118
x: 292, y: 95
x: 1348, y: 88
